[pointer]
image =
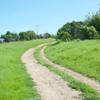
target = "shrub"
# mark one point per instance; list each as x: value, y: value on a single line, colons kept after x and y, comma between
x: 64, y: 36
x: 28, y: 35
x: 9, y: 36
x: 88, y: 32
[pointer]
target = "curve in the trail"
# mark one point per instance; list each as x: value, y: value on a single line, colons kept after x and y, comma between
x: 49, y: 85
x: 94, y: 84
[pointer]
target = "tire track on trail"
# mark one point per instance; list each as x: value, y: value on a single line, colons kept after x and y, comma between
x: 49, y: 85
x: 94, y: 84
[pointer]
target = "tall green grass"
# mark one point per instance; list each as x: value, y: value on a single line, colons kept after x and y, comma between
x: 15, y: 83
x: 80, y: 56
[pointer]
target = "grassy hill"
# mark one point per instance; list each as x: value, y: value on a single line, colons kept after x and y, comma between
x: 15, y: 83
x: 81, y: 56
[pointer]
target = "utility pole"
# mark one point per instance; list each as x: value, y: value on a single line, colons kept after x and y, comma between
x: 37, y: 29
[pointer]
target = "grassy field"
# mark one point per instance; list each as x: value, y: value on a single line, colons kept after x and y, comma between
x: 15, y: 83
x: 81, y: 56
x: 88, y: 93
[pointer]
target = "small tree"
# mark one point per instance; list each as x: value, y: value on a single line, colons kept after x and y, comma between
x: 94, y: 20
x: 46, y: 35
x: 28, y: 35
x: 9, y: 36
x: 88, y: 32
x: 64, y: 36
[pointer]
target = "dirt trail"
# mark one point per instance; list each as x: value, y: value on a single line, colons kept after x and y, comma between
x: 76, y: 75
x: 49, y: 85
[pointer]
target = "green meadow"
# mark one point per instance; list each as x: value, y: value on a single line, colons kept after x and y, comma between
x: 15, y: 83
x: 80, y: 56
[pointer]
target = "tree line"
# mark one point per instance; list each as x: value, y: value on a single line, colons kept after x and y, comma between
x: 87, y: 29
x: 22, y: 36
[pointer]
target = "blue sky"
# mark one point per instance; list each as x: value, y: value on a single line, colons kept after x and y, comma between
x: 23, y: 15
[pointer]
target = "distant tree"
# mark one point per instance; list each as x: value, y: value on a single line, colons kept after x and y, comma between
x: 9, y: 36
x: 15, y: 36
x: 94, y: 20
x: 72, y: 28
x: 64, y: 36
x: 22, y: 36
x: 28, y: 35
x: 46, y: 35
x: 53, y: 36
x: 88, y: 33
x: 77, y: 30
x: 39, y: 36
x: 31, y: 35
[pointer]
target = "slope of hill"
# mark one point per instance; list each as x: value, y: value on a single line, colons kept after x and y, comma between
x: 81, y: 56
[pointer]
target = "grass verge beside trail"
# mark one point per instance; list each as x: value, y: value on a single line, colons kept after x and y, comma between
x: 80, y: 56
x: 15, y: 83
x: 88, y: 93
